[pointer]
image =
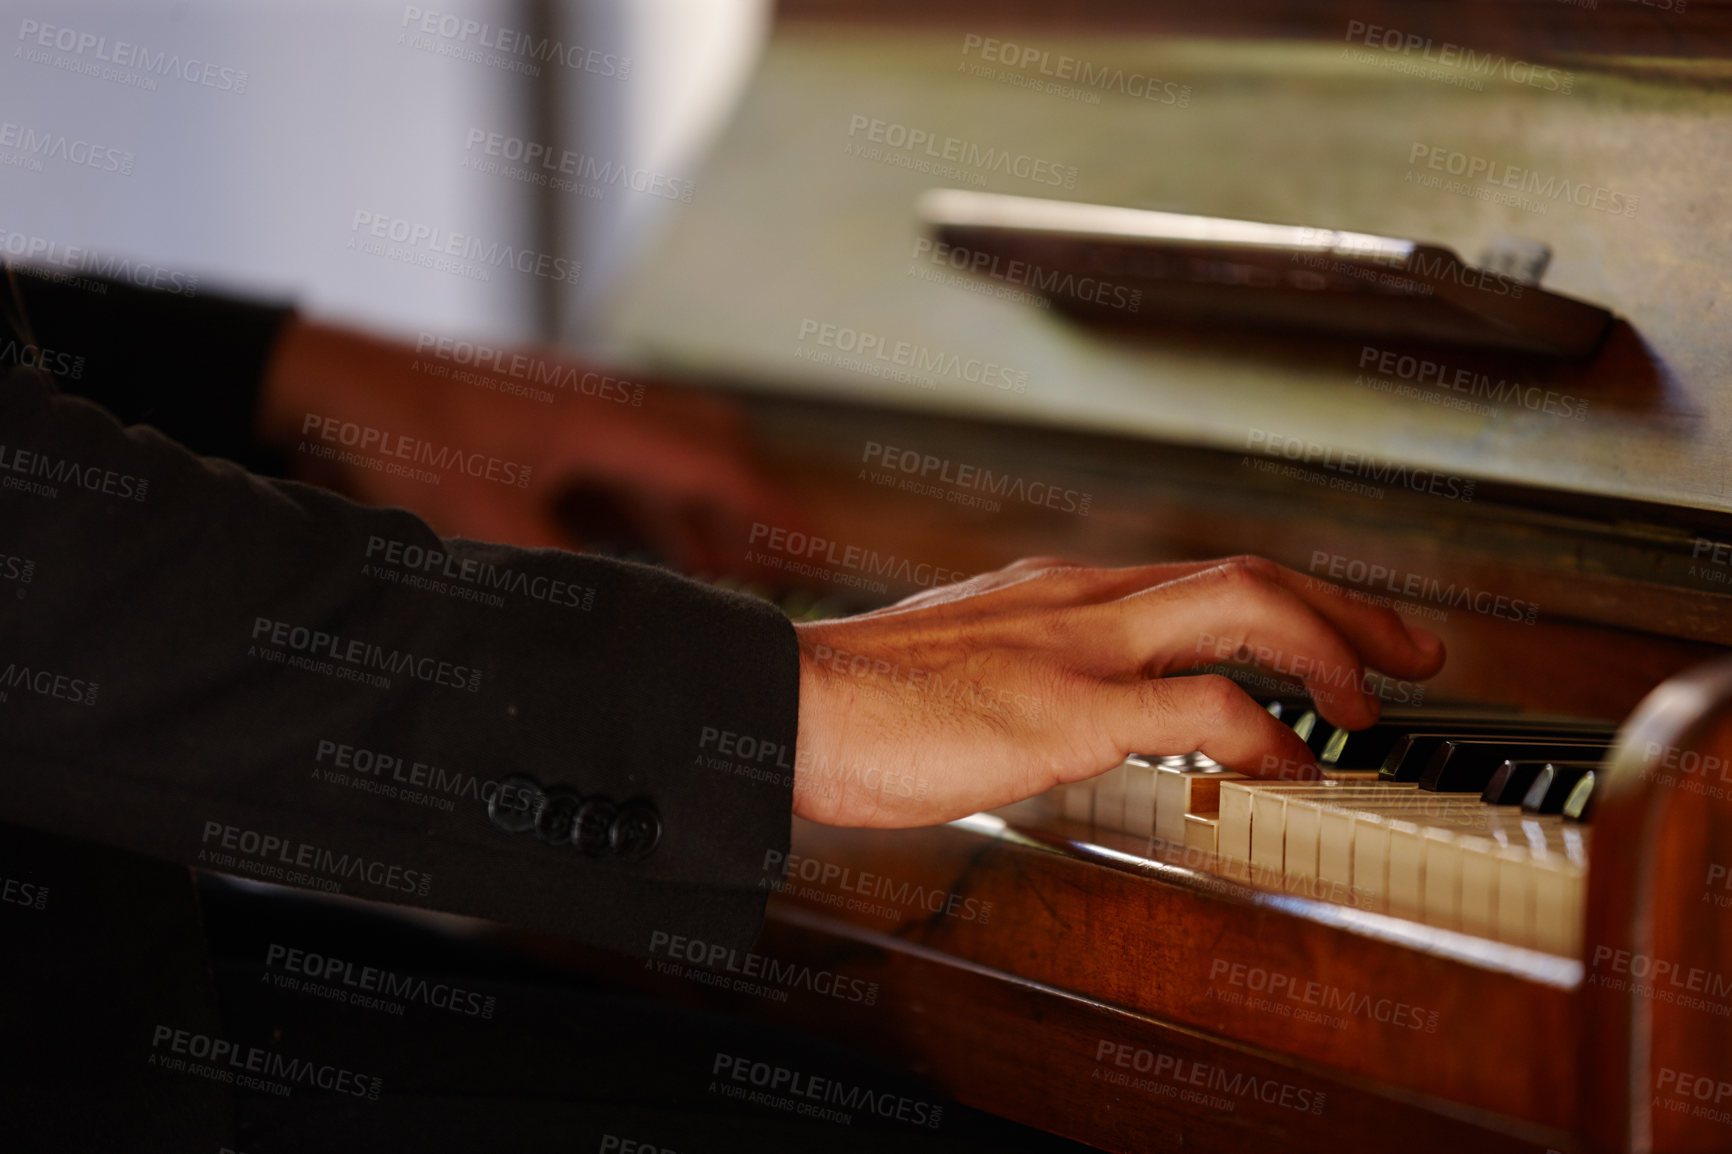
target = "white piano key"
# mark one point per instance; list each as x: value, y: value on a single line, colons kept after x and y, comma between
x: 1110, y: 799
x: 1441, y: 859
x: 1515, y: 896
x: 1182, y: 792
x: 1303, y: 821
x: 1558, y: 893
x: 1442, y: 905
x: 1303, y: 806
x: 1235, y: 823
x: 1268, y: 830
x: 1200, y: 832
x: 1478, y: 885
x: 1335, y: 845
x: 1406, y: 869
x: 1371, y: 858
x: 1238, y: 799
x: 1139, y: 797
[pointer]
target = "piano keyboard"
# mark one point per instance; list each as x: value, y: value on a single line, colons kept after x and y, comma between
x: 1475, y: 824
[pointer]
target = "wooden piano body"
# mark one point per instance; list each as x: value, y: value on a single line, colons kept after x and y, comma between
x: 1110, y: 995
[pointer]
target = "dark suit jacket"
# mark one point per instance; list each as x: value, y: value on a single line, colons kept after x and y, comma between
x: 255, y: 676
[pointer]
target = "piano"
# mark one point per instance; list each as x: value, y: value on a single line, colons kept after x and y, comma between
x: 1502, y: 917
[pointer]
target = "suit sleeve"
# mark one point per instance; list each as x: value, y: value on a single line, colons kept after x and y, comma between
x: 108, y: 340
x: 262, y: 678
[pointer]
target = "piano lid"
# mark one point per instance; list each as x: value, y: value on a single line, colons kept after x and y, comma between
x: 810, y: 198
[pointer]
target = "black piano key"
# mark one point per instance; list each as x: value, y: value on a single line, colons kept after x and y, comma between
x: 1579, y: 806
x: 1408, y: 757
x: 1368, y: 748
x: 1361, y: 748
x: 1510, y: 784
x: 1306, y: 724
x: 1461, y: 766
x: 1552, y: 787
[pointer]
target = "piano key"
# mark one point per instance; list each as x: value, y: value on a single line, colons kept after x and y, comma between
x: 1560, y: 889
x: 1181, y: 792
x: 1371, y: 858
x: 1301, y: 827
x: 1375, y: 844
x: 1268, y: 830
x: 1579, y: 806
x: 1335, y: 845
x: 1478, y: 889
x: 1538, y: 888
x: 1406, y: 868
x: 1442, y: 882
x: 1467, y: 766
x: 1552, y: 786
x: 1419, y: 874
x: 1408, y: 758
x: 1448, y: 859
x: 1355, y: 748
x: 1263, y: 804
x: 1369, y: 747
x: 1511, y: 782
x: 1110, y: 798
x: 1368, y: 827
x: 1459, y: 812
x: 1236, y: 802
x: 1515, y: 896
x: 1200, y: 832
x: 1139, y: 797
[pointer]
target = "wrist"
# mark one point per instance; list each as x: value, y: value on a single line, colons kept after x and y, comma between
x: 322, y: 372
x: 817, y: 791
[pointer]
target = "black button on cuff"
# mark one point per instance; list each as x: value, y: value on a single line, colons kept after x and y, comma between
x: 636, y: 831
x: 594, y: 826
x: 513, y: 806
x: 553, y: 824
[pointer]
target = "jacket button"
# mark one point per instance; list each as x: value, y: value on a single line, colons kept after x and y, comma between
x: 514, y: 804
x: 594, y: 821
x: 636, y: 831
x: 553, y: 824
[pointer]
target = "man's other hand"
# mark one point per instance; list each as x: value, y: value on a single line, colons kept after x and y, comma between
x: 640, y: 467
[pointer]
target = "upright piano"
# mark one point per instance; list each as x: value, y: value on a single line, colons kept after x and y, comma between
x: 1505, y: 917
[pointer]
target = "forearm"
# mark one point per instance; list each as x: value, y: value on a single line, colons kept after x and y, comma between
x: 319, y: 371
x: 200, y: 660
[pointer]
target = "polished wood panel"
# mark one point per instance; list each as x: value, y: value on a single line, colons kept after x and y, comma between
x: 1658, y: 28
x: 1608, y: 577
x: 1177, y: 945
x: 1278, y: 130
x: 1657, y: 1000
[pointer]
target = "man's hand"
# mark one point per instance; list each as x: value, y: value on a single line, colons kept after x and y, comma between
x: 650, y: 469
x: 979, y: 694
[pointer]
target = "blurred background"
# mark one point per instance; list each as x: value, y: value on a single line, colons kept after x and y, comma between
x: 258, y: 188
